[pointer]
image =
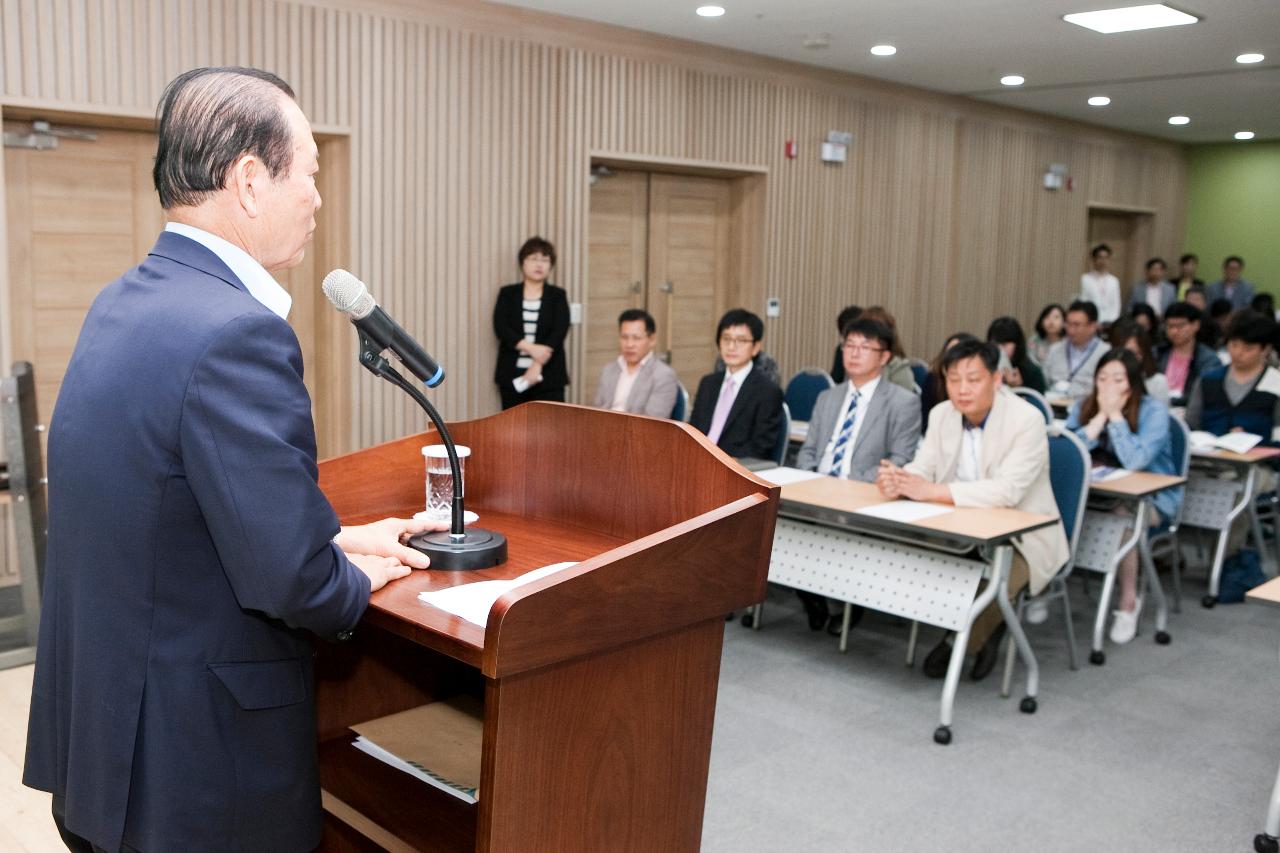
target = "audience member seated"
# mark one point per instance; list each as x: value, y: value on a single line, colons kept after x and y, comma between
x: 858, y: 423
x: 739, y: 408
x: 1051, y: 326
x: 1073, y: 359
x: 1154, y: 291
x: 935, y: 390
x: 1198, y: 295
x: 1265, y: 304
x: 764, y: 363
x: 898, y: 370
x: 1100, y: 287
x: 847, y: 316
x: 1231, y: 286
x: 1184, y: 358
x: 985, y: 447
x: 1243, y: 395
x: 1146, y: 318
x: 1186, y: 277
x: 1220, y: 316
x: 1123, y: 427
x: 1021, y: 372
x: 1128, y: 335
x: 638, y: 381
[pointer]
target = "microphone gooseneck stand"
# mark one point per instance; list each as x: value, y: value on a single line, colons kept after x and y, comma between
x: 457, y: 549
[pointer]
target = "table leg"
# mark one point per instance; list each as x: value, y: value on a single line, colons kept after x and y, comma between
x: 1219, y: 554
x: 1004, y: 558
x: 911, y: 643
x: 960, y: 645
x: 1153, y: 579
x: 1097, y: 656
x: 844, y: 627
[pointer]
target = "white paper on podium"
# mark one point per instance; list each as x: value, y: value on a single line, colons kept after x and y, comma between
x: 473, y: 601
x: 787, y: 476
x: 906, y: 511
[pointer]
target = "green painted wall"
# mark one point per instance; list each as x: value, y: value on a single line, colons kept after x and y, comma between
x: 1233, y: 208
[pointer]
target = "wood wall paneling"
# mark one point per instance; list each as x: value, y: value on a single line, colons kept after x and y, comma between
x: 472, y: 127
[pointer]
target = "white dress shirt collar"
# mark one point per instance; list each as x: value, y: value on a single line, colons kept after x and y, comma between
x: 738, y: 376
x: 252, y: 275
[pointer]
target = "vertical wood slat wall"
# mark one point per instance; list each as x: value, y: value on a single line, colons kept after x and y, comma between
x: 464, y: 141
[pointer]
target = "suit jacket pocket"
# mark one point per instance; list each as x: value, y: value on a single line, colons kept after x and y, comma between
x: 257, y: 685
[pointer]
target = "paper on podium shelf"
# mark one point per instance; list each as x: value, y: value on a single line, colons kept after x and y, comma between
x: 905, y: 511
x: 438, y: 743
x: 473, y: 601
x: 787, y: 476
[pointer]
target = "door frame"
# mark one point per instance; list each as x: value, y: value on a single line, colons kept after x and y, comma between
x: 335, y: 350
x: 1141, y: 247
x: 748, y: 186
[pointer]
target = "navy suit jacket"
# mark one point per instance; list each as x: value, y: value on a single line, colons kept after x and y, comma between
x: 754, y: 419
x: 190, y: 552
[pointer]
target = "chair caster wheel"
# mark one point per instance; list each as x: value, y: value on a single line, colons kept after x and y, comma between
x: 1097, y: 658
x: 942, y: 735
x: 747, y: 620
x: 1263, y: 843
x: 1028, y: 705
x: 1163, y: 638
x: 1208, y: 601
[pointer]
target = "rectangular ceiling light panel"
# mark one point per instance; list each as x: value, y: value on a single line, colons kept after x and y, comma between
x: 1131, y: 18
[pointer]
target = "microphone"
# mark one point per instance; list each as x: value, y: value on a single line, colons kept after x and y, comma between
x: 349, y: 295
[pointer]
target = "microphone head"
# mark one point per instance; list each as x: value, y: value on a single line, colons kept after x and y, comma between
x: 348, y: 294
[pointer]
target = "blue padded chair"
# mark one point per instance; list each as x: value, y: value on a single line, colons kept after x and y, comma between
x: 803, y: 390
x: 920, y: 372
x: 1164, y: 539
x: 1036, y: 399
x: 784, y: 434
x: 681, y: 409
x: 1069, y: 475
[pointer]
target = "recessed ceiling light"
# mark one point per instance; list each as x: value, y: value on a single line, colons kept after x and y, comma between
x: 710, y: 11
x: 1179, y: 120
x: 1244, y: 135
x: 1099, y: 101
x: 1012, y: 80
x: 884, y: 50
x: 1131, y: 18
x: 1249, y: 58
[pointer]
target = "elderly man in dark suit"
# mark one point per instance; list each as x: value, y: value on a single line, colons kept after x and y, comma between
x: 191, y: 552
x: 637, y: 381
x: 858, y: 423
x: 739, y: 408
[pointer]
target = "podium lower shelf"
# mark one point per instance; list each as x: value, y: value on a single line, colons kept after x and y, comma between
x: 383, y: 803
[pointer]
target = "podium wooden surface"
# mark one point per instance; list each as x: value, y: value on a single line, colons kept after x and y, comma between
x: 599, y: 682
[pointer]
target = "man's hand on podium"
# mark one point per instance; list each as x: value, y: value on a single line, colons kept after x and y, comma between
x: 377, y: 549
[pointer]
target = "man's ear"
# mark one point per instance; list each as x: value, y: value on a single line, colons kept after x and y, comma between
x: 245, y: 177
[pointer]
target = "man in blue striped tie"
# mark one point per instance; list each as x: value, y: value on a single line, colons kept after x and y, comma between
x: 856, y: 424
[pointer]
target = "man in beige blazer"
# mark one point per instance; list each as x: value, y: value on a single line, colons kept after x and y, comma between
x: 637, y: 381
x: 985, y: 447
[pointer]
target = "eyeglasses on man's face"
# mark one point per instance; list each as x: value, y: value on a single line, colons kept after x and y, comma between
x: 736, y: 341
x: 860, y: 348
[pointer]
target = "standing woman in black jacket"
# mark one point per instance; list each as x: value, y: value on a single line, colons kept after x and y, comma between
x: 531, y: 319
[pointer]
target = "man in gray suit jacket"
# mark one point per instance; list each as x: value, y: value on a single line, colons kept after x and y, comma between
x: 637, y: 381
x: 1155, y: 290
x: 858, y: 423
x: 1231, y: 286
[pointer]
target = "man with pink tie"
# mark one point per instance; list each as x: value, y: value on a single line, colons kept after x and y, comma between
x: 739, y: 408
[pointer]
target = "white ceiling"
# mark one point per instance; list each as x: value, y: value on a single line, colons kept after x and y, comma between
x: 966, y: 46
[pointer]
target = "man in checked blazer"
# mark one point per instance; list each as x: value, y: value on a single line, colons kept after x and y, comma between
x: 858, y: 423
x: 637, y: 381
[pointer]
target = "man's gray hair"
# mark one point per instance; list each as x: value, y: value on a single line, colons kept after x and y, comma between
x: 208, y: 118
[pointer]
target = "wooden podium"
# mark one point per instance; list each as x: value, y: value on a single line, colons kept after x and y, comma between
x: 598, y: 682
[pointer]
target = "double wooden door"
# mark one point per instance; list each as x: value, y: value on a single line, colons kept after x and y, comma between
x: 658, y: 242
x: 81, y: 214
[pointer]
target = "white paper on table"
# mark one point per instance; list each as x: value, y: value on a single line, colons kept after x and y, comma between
x: 787, y: 476
x: 800, y: 429
x: 473, y: 601
x: 1236, y: 442
x: 907, y: 511
x: 1103, y: 473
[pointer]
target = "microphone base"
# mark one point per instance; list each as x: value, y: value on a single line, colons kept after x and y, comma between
x: 480, y: 549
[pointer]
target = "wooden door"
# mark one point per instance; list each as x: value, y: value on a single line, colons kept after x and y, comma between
x: 688, y: 263
x: 618, y: 232
x: 80, y: 215
x: 1129, y: 236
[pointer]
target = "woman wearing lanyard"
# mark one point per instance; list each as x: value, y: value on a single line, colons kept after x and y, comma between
x: 531, y: 319
x: 1124, y: 427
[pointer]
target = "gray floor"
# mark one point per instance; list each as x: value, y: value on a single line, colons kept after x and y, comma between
x: 1165, y: 748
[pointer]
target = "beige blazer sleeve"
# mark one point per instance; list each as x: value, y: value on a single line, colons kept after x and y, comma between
x: 1020, y: 445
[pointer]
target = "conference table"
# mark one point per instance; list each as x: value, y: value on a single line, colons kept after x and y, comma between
x: 841, y: 539
x: 1268, y: 841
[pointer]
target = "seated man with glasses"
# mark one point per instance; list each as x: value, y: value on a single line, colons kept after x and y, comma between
x: 855, y: 425
x: 739, y: 408
x: 1183, y: 359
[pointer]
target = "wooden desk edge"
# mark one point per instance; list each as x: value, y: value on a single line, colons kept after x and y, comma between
x: 1125, y: 486
x: 1267, y: 593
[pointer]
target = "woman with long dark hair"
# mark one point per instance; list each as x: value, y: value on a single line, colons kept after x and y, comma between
x: 1124, y: 427
x: 1022, y: 372
x: 1129, y: 334
x: 1051, y: 327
